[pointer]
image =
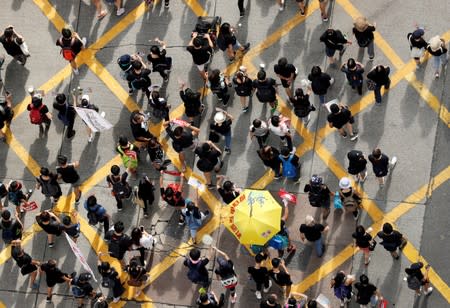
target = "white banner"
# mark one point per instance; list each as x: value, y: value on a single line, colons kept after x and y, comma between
x: 77, y: 252
x: 93, y: 119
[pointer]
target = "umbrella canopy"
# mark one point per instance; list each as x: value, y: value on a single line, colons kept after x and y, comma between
x: 254, y: 217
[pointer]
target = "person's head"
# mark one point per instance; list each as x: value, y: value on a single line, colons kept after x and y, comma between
x: 414, y: 268
x: 275, y: 120
x: 309, y: 220
x: 44, y: 171
x: 15, y: 186
x: 178, y: 131
x: 85, y: 100
x: 138, y: 117
x: 228, y: 186
x: 36, y: 100
x: 214, y: 76
x: 194, y: 254
x: 8, y: 33
x: 364, y: 279
x: 134, y: 263
x: 190, y: 206
x: 316, y: 71
x: 345, y: 183
x: 380, y: 69
x: 361, y: 23
x: 331, y: 32
x: 84, y: 277
x: 351, y: 64
x: 316, y: 180
x: 91, y: 201
x: 240, y: 75
x: 62, y: 160
x: 153, y: 143
x: 168, y: 193
x: 417, y: 34
x: 360, y: 230
x: 376, y: 153
x: 155, y: 50
x: 259, y: 258
x: 257, y: 123
x: 136, y: 235
x: 192, y: 95
x: 311, y: 304
x: 123, y: 141
x: 272, y: 299
x: 197, y: 42
x: 334, y: 108
x: 299, y: 92
x: 115, y: 170
x: 60, y: 98
x: 285, y: 151
x: 282, y: 61
x: 291, y: 302
x: 66, y: 220
x: 105, y: 267
x: 137, y: 65
x: 261, y: 75
x: 387, y: 228
x: 204, y: 299
x: 219, y: 118
x: 6, y: 215
x: 339, y: 279
x: 276, y: 262
x: 155, y: 95
x: 206, y: 147
x: 45, y: 216
x: 51, y: 263
x: 66, y: 33
x: 225, y: 28
x: 119, y: 227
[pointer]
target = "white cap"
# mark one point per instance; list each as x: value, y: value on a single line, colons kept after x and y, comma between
x: 85, y: 97
x: 309, y: 219
x: 219, y: 117
x: 242, y: 68
x: 345, y: 183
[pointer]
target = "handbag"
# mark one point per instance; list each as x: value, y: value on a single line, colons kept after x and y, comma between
x: 416, y: 52
x: 337, y: 201
x: 372, y: 245
x: 371, y: 85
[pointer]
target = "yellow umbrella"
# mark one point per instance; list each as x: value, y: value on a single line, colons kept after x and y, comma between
x: 254, y: 217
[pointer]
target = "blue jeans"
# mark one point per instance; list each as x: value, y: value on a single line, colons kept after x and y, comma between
x: 370, y: 49
x: 438, y: 60
x: 319, y: 247
x: 228, y: 140
x: 377, y: 90
x: 322, y: 99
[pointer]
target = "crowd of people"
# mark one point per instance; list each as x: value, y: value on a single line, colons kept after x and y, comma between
x: 137, y: 71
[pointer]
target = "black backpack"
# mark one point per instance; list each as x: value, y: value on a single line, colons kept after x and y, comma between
x: 316, y: 196
x: 8, y: 233
x: 120, y: 188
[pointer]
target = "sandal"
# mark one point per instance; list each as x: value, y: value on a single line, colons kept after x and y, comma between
x: 102, y: 14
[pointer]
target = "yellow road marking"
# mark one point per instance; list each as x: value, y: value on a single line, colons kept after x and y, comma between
x: 51, y: 13
x: 147, y: 305
x: 196, y: 7
x: 22, y: 153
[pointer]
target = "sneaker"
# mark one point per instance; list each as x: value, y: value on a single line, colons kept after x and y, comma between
x: 166, y: 4
x: 325, y: 18
x: 436, y: 76
x: 265, y: 290
x: 116, y: 299
x: 145, y: 215
x: 302, y: 12
x: 344, y: 135
x: 367, y: 263
x: 258, y: 294
x: 75, y: 71
x: 297, y: 181
x: 130, y: 91
x: 71, y: 134
x: 91, y: 137
x: 342, y: 51
x: 364, y: 178
x: 307, y: 119
x: 120, y: 11
x: 355, y: 217
x: 371, y: 58
x: 277, y: 176
x: 206, y: 212
x: 354, y: 137
x: 84, y: 40
x: 181, y: 221
x: 51, y: 245
x: 428, y: 291
x: 227, y: 150
x: 331, y: 81
x: 393, y: 162
x: 119, y: 210
x: 49, y: 299
x: 244, y: 110
x: 242, y: 14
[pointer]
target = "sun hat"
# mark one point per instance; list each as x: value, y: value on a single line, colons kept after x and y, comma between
x: 361, y: 23
x: 418, y: 33
x: 345, y: 183
x: 435, y: 43
x: 309, y: 219
x: 219, y: 117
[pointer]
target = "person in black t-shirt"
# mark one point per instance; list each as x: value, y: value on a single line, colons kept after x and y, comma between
x: 319, y: 195
x: 192, y: 102
x: 181, y: 139
x: 227, y: 191
x: 139, y: 78
x: 270, y: 302
x: 210, y: 300
x: 339, y: 117
x: 227, y: 41
x: 81, y: 288
x: 139, y: 128
x: 146, y: 193
x: 54, y: 275
x: 66, y: 113
x: 270, y: 157
x: 363, y: 32
x: 226, y: 274
x: 201, y: 52
x: 354, y: 71
x: 51, y: 224
x: 110, y: 278
x: 222, y: 125
x: 287, y: 73
x: 367, y: 292
x: 266, y: 89
x: 393, y: 241
x: 209, y: 160
x: 302, y: 106
x: 380, y: 76
x: 48, y: 183
x: 28, y: 266
x: 363, y: 240
x: 381, y: 165
x: 160, y: 62
x: 71, y: 45
x: 6, y: 112
x: 120, y: 188
x: 197, y: 272
x: 357, y: 165
x: 12, y: 42
x: 334, y: 40
x: 68, y: 173
x: 280, y: 275
x: 260, y: 274
x: 243, y: 86
x: 320, y: 82
x: 118, y: 242
x: 11, y: 228
x: 312, y: 232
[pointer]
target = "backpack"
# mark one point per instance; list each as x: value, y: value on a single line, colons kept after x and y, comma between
x: 176, y: 188
x: 413, y: 282
x: 129, y: 157
x: 124, y: 62
x: 67, y: 51
x: 121, y: 189
x: 289, y: 170
x: 36, y: 116
x: 77, y: 291
x: 92, y: 216
x: 62, y: 116
x: 350, y: 203
x: 194, y: 272
x: 114, y: 248
x: 315, y: 196
x: 342, y: 291
x: 266, y: 92
x: 107, y: 282
x: 7, y: 233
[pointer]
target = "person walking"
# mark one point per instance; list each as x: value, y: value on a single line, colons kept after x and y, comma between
x: 438, y: 49
x: 227, y: 42
x: 128, y: 152
x: 222, y: 125
x: 319, y: 195
x: 270, y: 157
x: 287, y: 73
x: 354, y: 73
x: 71, y: 225
x: 118, y: 242
x: 197, y: 272
x: 173, y: 196
x: 342, y: 287
x: 260, y: 130
x: 118, y: 183
x: 266, y: 89
x: 139, y: 78
x: 110, y: 278
x: 278, y: 125
x: 39, y: 114
x: 313, y: 232
x: 139, y: 128
x: 417, y: 45
x: 270, y: 302
x: 68, y: 173
x: 219, y: 83
x: 16, y: 196
x: 228, y: 191
x: 334, y: 40
x: 81, y: 288
x: 137, y: 276
x: 320, y: 82
x: 54, y: 275
x: 71, y: 45
x: 27, y: 265
x: 6, y: 112
x: 357, y: 165
x: 260, y: 274
x: 11, y: 229
x: 160, y: 106
x: 48, y: 183
x: 51, y: 224
x: 209, y: 160
x: 381, y: 165
x: 210, y: 300
x: 15, y: 45
x: 201, y: 53
x: 226, y: 274
x: 146, y: 193
x: 367, y: 293
x: 363, y: 240
x: 193, y: 106
x: 351, y: 201
x: 290, y: 163
x: 243, y: 86
x: 339, y: 117
x: 363, y: 32
x: 280, y: 275
x: 161, y: 63
x: 302, y: 106
x: 96, y: 213
x: 417, y: 280
x: 194, y: 219
x: 141, y: 241
x: 66, y: 113
x: 378, y: 77
x: 393, y: 241
x: 85, y: 103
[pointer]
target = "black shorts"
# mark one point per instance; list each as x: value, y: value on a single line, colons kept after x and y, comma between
x: 285, y: 83
x: 27, y: 269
